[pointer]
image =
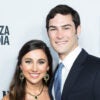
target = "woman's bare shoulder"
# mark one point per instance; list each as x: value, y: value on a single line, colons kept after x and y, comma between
x: 5, y: 97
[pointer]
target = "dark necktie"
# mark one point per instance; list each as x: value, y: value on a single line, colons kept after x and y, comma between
x: 57, y: 82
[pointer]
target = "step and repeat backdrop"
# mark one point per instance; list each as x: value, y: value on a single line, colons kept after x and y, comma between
x: 23, y: 20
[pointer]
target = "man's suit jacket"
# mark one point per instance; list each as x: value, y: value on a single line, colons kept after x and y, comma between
x: 83, y: 81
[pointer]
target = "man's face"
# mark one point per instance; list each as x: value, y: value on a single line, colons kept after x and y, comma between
x: 63, y: 34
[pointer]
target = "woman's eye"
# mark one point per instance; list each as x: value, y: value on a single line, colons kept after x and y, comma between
x: 28, y: 62
x: 41, y: 62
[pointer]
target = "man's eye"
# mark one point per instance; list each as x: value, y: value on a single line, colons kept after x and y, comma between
x: 52, y: 29
x: 66, y: 28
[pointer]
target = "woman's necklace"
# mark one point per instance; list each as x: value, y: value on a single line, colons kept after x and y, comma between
x: 36, y: 96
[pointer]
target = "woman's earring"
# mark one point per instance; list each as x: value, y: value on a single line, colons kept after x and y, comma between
x: 46, y: 77
x: 21, y: 76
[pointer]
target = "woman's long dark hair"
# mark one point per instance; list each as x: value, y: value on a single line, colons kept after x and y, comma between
x: 17, y: 87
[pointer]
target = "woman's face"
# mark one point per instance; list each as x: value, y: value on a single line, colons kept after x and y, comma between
x: 34, y: 66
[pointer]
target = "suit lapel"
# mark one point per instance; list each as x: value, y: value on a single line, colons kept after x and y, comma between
x: 73, y: 74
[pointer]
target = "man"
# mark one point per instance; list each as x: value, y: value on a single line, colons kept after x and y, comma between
x: 80, y: 77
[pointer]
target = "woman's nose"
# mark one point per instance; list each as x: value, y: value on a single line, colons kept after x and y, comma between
x: 34, y: 67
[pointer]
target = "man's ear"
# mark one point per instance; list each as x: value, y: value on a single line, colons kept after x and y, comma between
x: 78, y: 30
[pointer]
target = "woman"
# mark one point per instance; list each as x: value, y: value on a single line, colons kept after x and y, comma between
x: 33, y: 73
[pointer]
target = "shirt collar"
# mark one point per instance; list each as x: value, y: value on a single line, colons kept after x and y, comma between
x: 70, y: 58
